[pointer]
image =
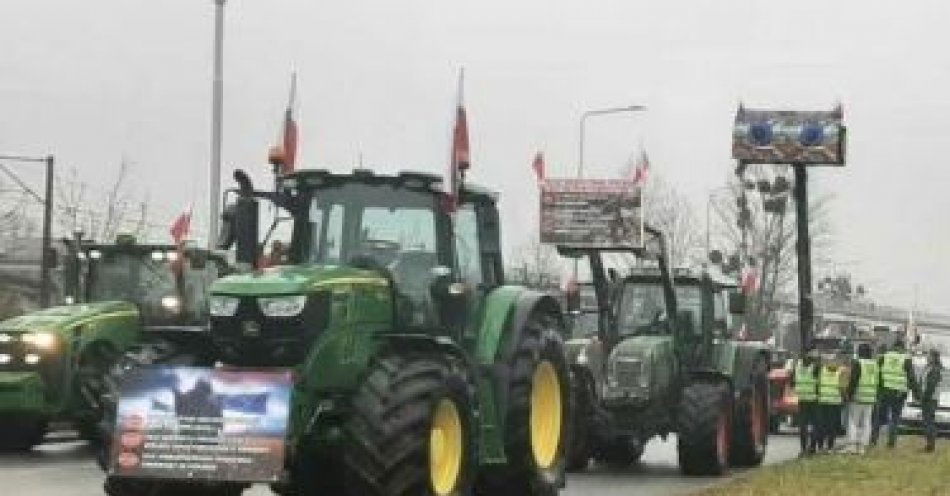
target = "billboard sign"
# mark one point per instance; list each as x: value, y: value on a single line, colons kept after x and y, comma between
x: 789, y: 137
x: 592, y: 214
x: 202, y: 424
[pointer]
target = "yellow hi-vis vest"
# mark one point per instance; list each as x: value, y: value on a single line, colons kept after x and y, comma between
x: 893, y: 376
x: 829, y: 386
x: 868, y: 382
x: 806, y: 387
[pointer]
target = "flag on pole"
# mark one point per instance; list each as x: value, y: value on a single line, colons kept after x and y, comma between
x: 750, y: 280
x: 460, y: 159
x: 289, y: 138
x: 181, y: 227
x: 642, y: 172
x: 538, y: 166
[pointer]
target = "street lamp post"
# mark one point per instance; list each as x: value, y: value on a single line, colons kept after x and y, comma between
x: 592, y: 113
x: 580, y: 147
x: 217, y: 101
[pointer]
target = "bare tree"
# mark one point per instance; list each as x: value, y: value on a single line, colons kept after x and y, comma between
x: 671, y: 212
x: 535, y: 265
x: 101, y: 215
x: 754, y: 227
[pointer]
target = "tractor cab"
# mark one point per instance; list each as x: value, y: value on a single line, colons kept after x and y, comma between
x: 417, y: 264
x: 169, y: 286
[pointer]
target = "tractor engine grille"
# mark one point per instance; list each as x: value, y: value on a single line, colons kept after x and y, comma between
x: 627, y: 372
x: 249, y: 338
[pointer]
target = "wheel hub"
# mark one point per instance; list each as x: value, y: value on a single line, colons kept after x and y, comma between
x: 546, y: 415
x: 445, y: 448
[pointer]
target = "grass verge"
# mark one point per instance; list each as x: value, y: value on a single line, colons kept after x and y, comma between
x: 903, y: 471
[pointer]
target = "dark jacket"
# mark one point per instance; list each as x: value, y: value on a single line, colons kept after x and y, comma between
x: 931, y: 378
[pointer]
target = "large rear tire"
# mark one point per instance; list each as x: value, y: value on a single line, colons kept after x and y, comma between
x: 537, y: 427
x: 705, y: 429
x: 145, y: 355
x: 752, y: 420
x: 412, y: 430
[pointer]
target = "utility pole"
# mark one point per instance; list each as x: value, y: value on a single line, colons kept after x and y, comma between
x: 806, y: 309
x: 46, y: 257
x: 217, y: 101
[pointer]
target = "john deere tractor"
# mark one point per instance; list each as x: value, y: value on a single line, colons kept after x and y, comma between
x: 417, y: 370
x: 53, y: 361
x: 643, y: 373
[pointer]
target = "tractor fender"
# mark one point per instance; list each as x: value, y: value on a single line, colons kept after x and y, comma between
x: 437, y: 345
x: 710, y: 375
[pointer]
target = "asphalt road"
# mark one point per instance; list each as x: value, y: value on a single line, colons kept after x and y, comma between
x: 67, y: 468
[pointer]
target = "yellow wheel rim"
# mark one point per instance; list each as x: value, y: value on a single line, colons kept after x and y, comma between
x: 545, y: 415
x: 445, y: 448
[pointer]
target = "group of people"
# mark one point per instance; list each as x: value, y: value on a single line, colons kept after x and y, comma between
x: 873, y: 392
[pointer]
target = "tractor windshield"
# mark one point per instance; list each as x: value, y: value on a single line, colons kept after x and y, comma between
x: 166, y: 290
x: 643, y: 310
x: 377, y: 225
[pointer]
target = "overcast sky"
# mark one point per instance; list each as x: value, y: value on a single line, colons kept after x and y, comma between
x: 95, y: 81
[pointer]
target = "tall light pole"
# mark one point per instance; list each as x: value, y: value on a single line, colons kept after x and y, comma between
x: 580, y: 148
x: 592, y: 113
x: 217, y: 101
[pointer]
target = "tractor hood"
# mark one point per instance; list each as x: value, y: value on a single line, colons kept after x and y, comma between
x: 297, y: 279
x: 63, y: 318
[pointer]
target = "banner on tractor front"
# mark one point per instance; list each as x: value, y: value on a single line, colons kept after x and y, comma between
x: 592, y: 213
x: 789, y: 137
x: 202, y: 423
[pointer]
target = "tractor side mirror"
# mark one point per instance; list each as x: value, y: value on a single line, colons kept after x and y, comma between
x: 716, y: 257
x: 737, y: 303
x: 450, y: 297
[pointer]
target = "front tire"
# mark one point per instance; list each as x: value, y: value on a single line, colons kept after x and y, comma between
x: 21, y: 432
x: 538, y: 415
x: 705, y: 429
x: 753, y: 421
x: 412, y: 430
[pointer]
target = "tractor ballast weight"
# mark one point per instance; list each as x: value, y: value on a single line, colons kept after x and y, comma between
x: 417, y: 370
x: 665, y: 375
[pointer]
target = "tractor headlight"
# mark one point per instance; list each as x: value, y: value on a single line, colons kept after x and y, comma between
x: 582, y: 357
x: 5, y: 359
x: 223, y: 306
x: 31, y: 359
x: 5, y: 338
x: 42, y: 340
x: 171, y: 303
x: 282, y: 306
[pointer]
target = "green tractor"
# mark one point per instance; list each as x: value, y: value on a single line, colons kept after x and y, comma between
x: 640, y: 374
x: 53, y: 361
x: 417, y: 370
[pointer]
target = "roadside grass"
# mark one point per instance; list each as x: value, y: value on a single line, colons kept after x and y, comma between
x: 903, y: 471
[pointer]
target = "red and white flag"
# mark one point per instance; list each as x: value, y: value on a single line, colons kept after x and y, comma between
x: 538, y: 166
x: 460, y: 160
x: 750, y: 280
x: 181, y: 227
x: 642, y: 172
x: 290, y: 131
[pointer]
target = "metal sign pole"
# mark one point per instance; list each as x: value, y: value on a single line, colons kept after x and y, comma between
x: 217, y: 97
x: 806, y: 310
x: 46, y: 261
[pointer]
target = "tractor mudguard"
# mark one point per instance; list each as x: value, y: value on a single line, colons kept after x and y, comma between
x: 504, y: 314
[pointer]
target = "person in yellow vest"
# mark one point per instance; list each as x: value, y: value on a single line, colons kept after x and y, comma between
x: 862, y: 395
x: 805, y: 382
x: 897, y: 377
x: 830, y: 400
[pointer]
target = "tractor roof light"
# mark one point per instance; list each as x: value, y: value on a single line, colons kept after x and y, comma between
x: 95, y: 254
x: 158, y: 256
